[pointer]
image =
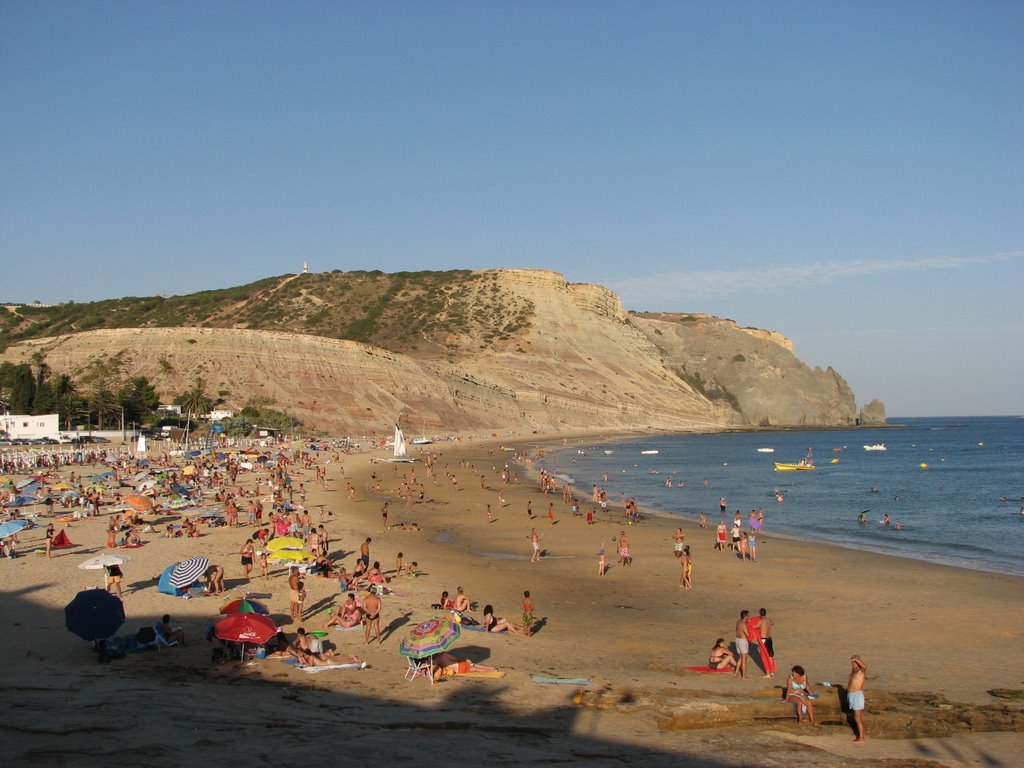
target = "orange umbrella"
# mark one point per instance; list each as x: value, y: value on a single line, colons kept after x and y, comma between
x: 139, y: 503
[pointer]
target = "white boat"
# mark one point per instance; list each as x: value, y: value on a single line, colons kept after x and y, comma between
x: 609, y: 453
x: 648, y: 453
x: 875, y: 447
x: 421, y: 440
x: 766, y: 450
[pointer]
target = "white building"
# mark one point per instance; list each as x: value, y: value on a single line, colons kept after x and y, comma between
x: 167, y: 410
x: 220, y: 413
x: 42, y: 425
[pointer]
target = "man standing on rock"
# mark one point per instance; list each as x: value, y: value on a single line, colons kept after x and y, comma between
x: 855, y: 695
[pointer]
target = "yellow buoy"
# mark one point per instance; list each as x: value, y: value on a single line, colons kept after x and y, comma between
x: 923, y: 465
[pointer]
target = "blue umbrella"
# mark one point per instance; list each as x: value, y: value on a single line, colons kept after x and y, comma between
x: 94, y: 614
x: 11, y: 527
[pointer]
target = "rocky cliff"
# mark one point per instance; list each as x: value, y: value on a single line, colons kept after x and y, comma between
x: 495, y: 350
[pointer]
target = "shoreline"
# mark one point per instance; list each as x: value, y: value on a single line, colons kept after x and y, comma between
x: 850, y: 538
x: 630, y: 632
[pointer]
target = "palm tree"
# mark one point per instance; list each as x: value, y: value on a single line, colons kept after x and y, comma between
x: 195, y: 401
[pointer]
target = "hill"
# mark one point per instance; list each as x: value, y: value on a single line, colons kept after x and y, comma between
x: 444, y: 351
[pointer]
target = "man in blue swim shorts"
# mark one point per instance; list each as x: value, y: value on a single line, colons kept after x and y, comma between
x: 855, y: 694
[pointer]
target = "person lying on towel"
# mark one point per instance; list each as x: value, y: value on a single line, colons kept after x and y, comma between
x: 447, y: 665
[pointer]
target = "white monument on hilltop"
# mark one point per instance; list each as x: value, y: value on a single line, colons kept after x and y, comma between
x: 305, y: 268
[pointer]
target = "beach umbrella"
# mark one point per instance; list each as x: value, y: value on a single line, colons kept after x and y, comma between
x: 138, y: 502
x: 62, y: 487
x: 245, y: 628
x: 285, y: 542
x: 243, y: 605
x: 184, y: 574
x: 429, y: 637
x: 11, y: 527
x: 292, y: 555
x: 102, y: 561
x: 94, y: 614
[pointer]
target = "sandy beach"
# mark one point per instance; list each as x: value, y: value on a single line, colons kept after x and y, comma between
x: 937, y: 641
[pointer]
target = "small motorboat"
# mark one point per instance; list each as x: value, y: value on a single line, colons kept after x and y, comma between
x: 876, y: 447
x: 766, y: 450
x: 805, y: 464
x: 648, y: 453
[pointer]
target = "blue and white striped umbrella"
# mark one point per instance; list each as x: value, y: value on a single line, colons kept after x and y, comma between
x: 11, y: 527
x: 186, y: 572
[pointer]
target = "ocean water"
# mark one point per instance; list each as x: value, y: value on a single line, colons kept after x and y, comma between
x: 963, y: 509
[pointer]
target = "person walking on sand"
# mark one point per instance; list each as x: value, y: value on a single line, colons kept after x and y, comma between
x: 528, y: 610
x: 687, y: 569
x: 855, y: 695
x: 364, y: 552
x: 742, y: 645
x: 602, y: 567
x: 625, y: 558
x: 535, y: 542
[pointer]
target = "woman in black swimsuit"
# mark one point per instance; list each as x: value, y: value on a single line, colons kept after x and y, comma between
x: 493, y: 624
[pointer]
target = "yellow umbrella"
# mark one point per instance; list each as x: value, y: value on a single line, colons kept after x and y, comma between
x: 58, y: 486
x: 296, y: 555
x: 189, y: 470
x: 285, y: 542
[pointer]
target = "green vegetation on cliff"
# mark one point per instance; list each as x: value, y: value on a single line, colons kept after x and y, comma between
x: 408, y: 312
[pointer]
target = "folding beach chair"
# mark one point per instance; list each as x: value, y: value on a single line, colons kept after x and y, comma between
x: 420, y: 668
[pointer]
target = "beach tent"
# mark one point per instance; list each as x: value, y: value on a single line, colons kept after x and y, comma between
x: 164, y: 584
x: 61, y: 540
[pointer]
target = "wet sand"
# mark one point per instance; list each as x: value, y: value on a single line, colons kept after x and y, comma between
x: 936, y: 640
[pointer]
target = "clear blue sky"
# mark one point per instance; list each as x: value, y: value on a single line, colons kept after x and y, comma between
x: 848, y: 174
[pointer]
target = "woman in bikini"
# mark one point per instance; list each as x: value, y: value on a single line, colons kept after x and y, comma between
x: 493, y: 624
x: 350, y: 615
x: 799, y: 693
x: 721, y: 657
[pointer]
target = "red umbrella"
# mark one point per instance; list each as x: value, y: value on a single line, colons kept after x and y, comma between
x: 245, y: 628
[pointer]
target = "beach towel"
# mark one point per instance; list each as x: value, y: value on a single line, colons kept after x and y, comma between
x: 356, y: 628
x: 489, y: 675
x: 706, y: 668
x: 325, y: 667
x: 563, y: 680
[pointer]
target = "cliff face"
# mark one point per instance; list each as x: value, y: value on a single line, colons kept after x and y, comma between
x: 533, y: 353
x: 753, y: 370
